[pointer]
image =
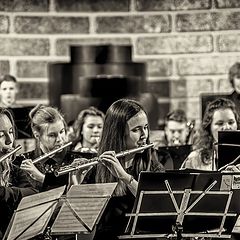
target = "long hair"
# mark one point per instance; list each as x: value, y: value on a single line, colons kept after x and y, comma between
x: 114, y: 138
x: 5, y: 165
x: 205, y: 139
x: 41, y: 116
x: 78, y: 124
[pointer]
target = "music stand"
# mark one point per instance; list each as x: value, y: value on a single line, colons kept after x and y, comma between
x: 176, y: 205
x: 22, y: 121
x: 228, y: 148
x: 33, y: 214
x: 177, y: 153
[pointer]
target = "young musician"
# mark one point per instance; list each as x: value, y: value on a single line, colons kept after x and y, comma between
x: 49, y: 129
x: 88, y: 129
x: 220, y: 115
x: 8, y: 91
x: 125, y: 127
x: 14, y: 184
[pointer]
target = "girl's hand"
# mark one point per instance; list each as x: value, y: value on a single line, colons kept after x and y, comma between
x: 109, y: 159
x: 34, y: 173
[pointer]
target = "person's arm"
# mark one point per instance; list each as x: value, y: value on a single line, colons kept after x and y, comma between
x: 131, y: 183
x: 114, y: 166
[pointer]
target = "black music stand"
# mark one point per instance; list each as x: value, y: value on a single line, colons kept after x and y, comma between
x: 179, y: 205
x: 177, y: 155
x: 228, y: 148
x: 22, y: 121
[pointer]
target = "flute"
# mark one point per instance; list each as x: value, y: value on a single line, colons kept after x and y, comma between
x: 42, y: 157
x: 84, y: 163
x: 7, y: 155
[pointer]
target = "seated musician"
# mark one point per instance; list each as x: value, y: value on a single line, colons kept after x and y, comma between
x: 176, y: 133
x: 219, y: 115
x: 88, y: 129
x: 125, y: 127
x: 14, y: 184
x: 49, y: 130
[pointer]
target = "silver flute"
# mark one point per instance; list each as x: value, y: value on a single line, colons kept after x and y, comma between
x: 42, y: 157
x: 7, y: 155
x: 84, y: 163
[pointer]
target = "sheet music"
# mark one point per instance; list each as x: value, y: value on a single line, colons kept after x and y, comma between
x: 88, y: 201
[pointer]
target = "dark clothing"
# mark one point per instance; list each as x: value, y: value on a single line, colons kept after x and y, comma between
x: 235, y: 97
x: 11, y: 196
x: 47, y: 167
x: 114, y: 221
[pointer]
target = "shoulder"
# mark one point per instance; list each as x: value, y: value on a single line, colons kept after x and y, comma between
x: 193, y: 160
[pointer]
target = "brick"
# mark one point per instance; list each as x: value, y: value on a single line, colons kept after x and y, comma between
x: 223, y: 85
x: 228, y: 43
x: 159, y: 88
x: 63, y: 45
x: 174, y: 44
x: 168, y: 5
x: 163, y: 109
x: 92, y: 5
x: 227, y: 3
x: 32, y: 69
x: 4, y: 24
x: 208, y: 21
x: 28, y: 90
x: 178, y: 88
x: 24, y: 5
x: 52, y: 25
x: 134, y: 24
x: 205, y: 65
x: 193, y: 109
x: 195, y: 87
x: 23, y: 47
x: 159, y: 67
x: 179, y: 103
x: 4, y: 67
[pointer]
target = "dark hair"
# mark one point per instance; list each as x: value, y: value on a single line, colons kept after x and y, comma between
x: 177, y: 115
x: 234, y: 71
x: 8, y: 78
x: 114, y: 137
x: 42, y: 115
x: 78, y: 124
x: 205, y: 139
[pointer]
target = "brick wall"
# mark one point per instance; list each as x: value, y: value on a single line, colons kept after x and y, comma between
x: 188, y: 45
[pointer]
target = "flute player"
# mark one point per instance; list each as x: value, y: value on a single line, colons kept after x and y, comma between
x: 125, y: 127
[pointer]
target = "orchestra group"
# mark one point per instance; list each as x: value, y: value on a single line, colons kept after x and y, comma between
x: 124, y: 126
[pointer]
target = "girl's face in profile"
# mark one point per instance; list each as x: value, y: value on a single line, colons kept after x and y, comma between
x: 6, y: 134
x: 223, y: 119
x: 137, y: 130
x: 92, y: 130
x: 53, y: 136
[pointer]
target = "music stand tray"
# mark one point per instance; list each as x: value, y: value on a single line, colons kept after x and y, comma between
x: 181, y: 205
x: 33, y: 214
x: 82, y: 208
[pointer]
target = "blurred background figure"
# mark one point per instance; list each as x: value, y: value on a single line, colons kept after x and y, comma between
x: 234, y: 78
x: 220, y: 115
x: 8, y: 91
x: 176, y: 128
x: 87, y: 129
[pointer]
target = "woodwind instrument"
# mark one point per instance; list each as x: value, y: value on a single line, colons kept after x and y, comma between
x: 42, y: 157
x: 7, y: 155
x: 84, y: 163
